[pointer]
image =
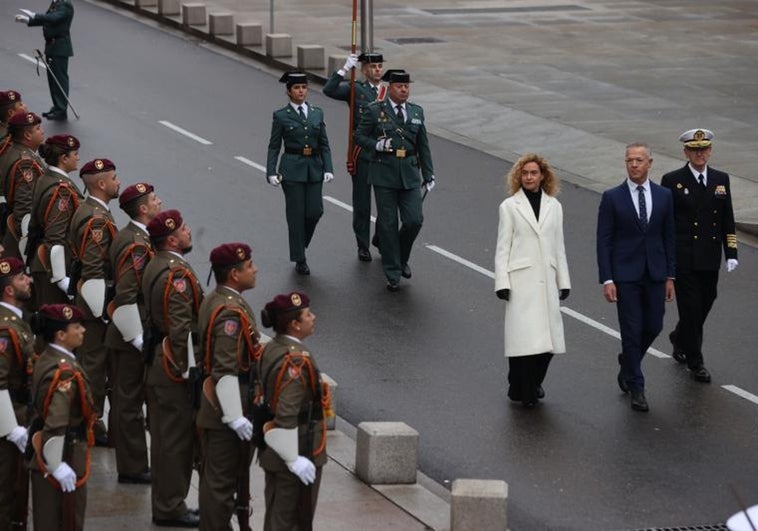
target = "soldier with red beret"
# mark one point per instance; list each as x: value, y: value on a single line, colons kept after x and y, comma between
x: 229, y: 342
x: 10, y: 104
x: 62, y: 429
x: 130, y: 253
x: 172, y: 300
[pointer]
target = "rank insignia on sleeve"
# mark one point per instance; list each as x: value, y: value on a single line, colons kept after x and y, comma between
x: 720, y: 190
x: 180, y: 285
x: 65, y: 386
x: 27, y: 175
x: 3, y: 344
x: 97, y: 235
x: 294, y: 372
x: 230, y: 327
x: 62, y: 205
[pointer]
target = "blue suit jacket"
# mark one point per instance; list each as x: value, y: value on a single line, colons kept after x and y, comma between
x: 626, y: 252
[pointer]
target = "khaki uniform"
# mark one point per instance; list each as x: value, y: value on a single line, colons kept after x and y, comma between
x: 130, y: 253
x: 91, y: 232
x: 289, y: 404
x: 172, y: 296
x: 55, y: 200
x: 229, y: 342
x: 59, y: 380
x: 16, y: 350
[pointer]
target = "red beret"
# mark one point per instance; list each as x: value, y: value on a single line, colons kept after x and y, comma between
x: 96, y: 166
x: 9, y: 97
x: 165, y: 223
x: 63, y: 313
x: 11, y: 266
x: 229, y: 254
x: 286, y: 303
x: 23, y: 119
x: 67, y: 142
x: 134, y: 192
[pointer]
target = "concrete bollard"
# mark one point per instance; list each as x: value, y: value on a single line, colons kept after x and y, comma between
x: 221, y: 24
x: 330, y: 422
x: 193, y: 14
x: 249, y: 34
x: 146, y: 3
x: 278, y: 45
x: 386, y: 452
x: 310, y: 57
x: 335, y: 63
x: 168, y: 8
x: 478, y: 504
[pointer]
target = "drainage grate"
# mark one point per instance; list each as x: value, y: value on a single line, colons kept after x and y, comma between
x: 492, y: 10
x: 713, y: 527
x: 415, y: 40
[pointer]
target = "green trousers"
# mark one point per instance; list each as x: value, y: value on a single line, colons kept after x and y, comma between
x: 362, y: 205
x: 58, y: 67
x: 304, y: 208
x: 397, y: 242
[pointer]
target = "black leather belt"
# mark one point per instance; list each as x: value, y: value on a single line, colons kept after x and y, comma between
x: 305, y: 152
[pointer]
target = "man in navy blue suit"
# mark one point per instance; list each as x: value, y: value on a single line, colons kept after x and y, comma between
x: 635, y: 256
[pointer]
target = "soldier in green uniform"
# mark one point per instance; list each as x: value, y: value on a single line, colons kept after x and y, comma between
x: 56, y: 28
x: 91, y: 232
x: 393, y: 131
x: 304, y: 166
x: 229, y: 343
x: 20, y: 166
x: 62, y: 428
x: 16, y: 350
x: 298, y: 403
x: 56, y: 198
x: 10, y: 104
x: 172, y: 300
x: 366, y: 91
x: 130, y: 253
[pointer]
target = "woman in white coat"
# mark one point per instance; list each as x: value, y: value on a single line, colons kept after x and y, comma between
x: 531, y: 275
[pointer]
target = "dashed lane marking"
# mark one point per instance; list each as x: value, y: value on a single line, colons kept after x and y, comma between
x: 741, y: 393
x: 340, y: 204
x: 250, y: 163
x: 186, y: 133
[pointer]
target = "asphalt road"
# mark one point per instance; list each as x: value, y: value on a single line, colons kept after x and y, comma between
x: 432, y: 354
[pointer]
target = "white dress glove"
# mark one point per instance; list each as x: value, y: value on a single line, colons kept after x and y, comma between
x: 63, y: 284
x: 304, y: 469
x: 21, y: 19
x: 328, y: 177
x: 66, y: 477
x: 731, y: 264
x: 350, y: 62
x: 429, y: 185
x: 274, y: 180
x: 29, y: 13
x: 18, y: 436
x: 137, y: 342
x: 384, y: 144
x: 242, y: 427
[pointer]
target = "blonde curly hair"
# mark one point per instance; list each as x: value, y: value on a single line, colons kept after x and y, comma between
x: 549, y: 182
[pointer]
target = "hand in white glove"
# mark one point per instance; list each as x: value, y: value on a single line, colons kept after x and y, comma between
x: 63, y: 284
x: 350, y: 62
x: 28, y: 13
x: 304, y: 469
x: 328, y: 177
x: 429, y: 185
x: 274, y: 180
x: 66, y: 477
x: 731, y: 264
x: 137, y: 342
x: 18, y: 436
x: 384, y: 144
x: 21, y: 19
x: 242, y: 427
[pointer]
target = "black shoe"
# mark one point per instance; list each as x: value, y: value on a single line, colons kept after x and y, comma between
x: 364, y: 255
x: 540, y: 392
x: 528, y: 404
x: 678, y: 353
x: 622, y: 383
x: 700, y: 374
x: 194, y: 510
x: 393, y: 285
x: 57, y: 117
x: 101, y: 440
x: 639, y: 403
x: 406, y: 272
x: 302, y: 268
x: 142, y: 478
x: 188, y: 519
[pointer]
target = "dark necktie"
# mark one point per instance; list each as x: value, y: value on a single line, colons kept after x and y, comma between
x: 300, y: 111
x: 643, y: 207
x: 374, y: 91
x: 701, y: 180
x: 400, y: 113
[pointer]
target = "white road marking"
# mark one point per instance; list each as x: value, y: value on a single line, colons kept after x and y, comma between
x: 340, y: 204
x: 741, y: 393
x: 32, y: 60
x: 186, y: 133
x: 462, y: 261
x: 249, y: 162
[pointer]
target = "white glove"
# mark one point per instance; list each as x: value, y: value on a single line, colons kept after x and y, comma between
x: 28, y: 13
x: 242, y: 427
x: 63, y: 284
x: 274, y: 180
x: 328, y: 177
x: 429, y: 185
x: 731, y: 264
x: 137, y: 342
x: 18, y: 436
x: 384, y: 144
x: 304, y: 469
x: 21, y: 19
x: 350, y: 62
x: 66, y: 477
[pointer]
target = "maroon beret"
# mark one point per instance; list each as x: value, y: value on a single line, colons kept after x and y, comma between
x: 296, y: 300
x: 11, y: 266
x: 134, y: 192
x: 165, y: 223
x: 63, y: 313
x: 9, y: 97
x: 67, y: 142
x: 22, y: 119
x: 229, y: 254
x: 96, y: 166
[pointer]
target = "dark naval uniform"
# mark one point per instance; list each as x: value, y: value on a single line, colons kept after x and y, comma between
x: 56, y: 28
x: 229, y: 342
x: 302, y: 166
x: 704, y: 225
x: 396, y: 177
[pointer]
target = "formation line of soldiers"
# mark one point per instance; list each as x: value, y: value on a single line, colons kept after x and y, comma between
x: 121, y: 313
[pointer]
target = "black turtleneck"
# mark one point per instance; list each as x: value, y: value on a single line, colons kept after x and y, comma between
x: 534, y: 200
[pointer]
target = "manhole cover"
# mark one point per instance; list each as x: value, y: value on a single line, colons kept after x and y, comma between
x: 491, y: 10
x: 415, y: 40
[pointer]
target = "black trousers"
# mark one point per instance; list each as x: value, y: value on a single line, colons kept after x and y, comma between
x: 695, y: 294
x: 526, y: 374
x: 58, y: 66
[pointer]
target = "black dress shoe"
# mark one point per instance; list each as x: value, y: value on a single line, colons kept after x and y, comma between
x: 101, y: 440
x: 540, y: 392
x: 700, y: 374
x: 364, y: 255
x: 188, y: 519
x: 302, y: 268
x: 406, y: 272
x: 393, y: 285
x: 639, y: 403
x: 143, y: 478
x: 57, y: 117
x: 622, y: 383
x: 678, y: 353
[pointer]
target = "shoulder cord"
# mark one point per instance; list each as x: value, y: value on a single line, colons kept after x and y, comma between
x: 10, y: 184
x: 254, y: 348
x: 168, y: 354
